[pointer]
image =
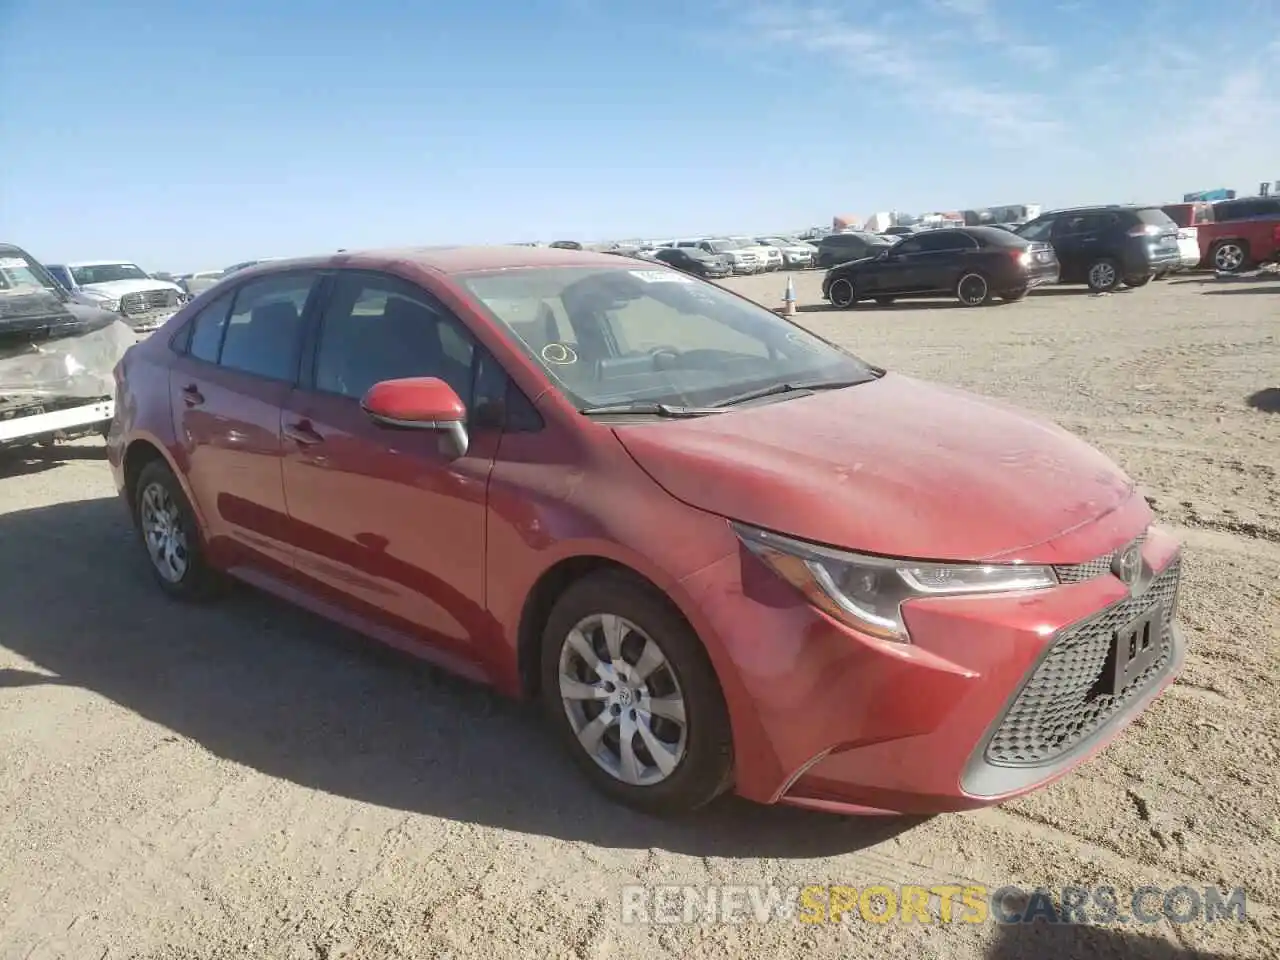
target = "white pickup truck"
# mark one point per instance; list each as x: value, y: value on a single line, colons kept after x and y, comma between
x: 122, y: 287
x: 57, y: 357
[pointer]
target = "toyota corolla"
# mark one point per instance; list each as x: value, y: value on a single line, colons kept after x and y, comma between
x: 724, y: 553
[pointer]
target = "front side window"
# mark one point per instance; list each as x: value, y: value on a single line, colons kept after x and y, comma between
x: 914, y: 245
x: 22, y: 274
x: 607, y: 336
x: 264, y: 330
x: 379, y: 327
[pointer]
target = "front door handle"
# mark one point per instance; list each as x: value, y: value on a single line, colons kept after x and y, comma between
x: 192, y: 396
x: 301, y: 431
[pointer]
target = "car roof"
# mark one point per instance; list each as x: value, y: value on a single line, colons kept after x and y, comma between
x: 101, y: 263
x: 446, y: 260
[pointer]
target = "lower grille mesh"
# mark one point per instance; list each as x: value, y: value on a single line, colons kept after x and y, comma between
x: 1061, y: 704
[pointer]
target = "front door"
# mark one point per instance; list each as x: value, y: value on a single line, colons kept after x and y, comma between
x: 894, y: 274
x: 226, y: 389
x: 388, y: 523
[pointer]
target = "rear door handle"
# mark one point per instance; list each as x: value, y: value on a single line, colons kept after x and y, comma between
x: 301, y: 431
x: 192, y: 396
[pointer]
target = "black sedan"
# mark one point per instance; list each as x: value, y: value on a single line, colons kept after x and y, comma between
x: 972, y: 264
x: 694, y: 261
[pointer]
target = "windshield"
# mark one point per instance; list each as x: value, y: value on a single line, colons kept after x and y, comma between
x: 107, y: 273
x: 21, y: 274
x: 722, y: 246
x: 615, y: 336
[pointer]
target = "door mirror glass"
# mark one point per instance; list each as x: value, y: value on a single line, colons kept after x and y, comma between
x: 419, y: 403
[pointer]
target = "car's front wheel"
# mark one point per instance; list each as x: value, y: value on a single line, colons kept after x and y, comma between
x: 631, y: 692
x: 841, y: 294
x: 168, y: 529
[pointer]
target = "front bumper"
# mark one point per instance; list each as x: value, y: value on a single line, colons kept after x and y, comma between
x: 827, y: 718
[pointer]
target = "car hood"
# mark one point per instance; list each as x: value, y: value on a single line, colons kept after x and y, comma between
x: 43, y: 315
x: 115, y: 289
x: 895, y: 466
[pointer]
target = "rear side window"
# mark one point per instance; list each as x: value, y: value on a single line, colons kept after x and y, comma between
x: 207, y: 327
x: 1037, y: 230
x: 264, y: 330
x: 1154, y: 217
x: 1202, y: 214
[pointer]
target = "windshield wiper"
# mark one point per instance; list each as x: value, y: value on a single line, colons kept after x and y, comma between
x: 648, y: 410
x: 803, y: 386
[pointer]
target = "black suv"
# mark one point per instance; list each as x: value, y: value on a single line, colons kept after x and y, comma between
x: 1107, y: 246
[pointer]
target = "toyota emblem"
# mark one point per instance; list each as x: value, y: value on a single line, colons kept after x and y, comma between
x: 1128, y: 564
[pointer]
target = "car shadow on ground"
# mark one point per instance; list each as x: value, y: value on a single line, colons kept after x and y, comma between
x: 1267, y: 400
x: 266, y: 685
x: 866, y: 306
x: 1243, y: 291
x: 1042, y: 941
x: 23, y: 461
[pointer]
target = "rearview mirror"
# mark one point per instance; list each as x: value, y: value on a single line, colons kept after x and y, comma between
x: 419, y: 403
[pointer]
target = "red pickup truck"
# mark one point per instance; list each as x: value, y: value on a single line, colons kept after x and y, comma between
x: 1243, y: 234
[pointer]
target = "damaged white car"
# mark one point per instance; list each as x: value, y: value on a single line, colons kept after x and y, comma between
x: 57, y: 357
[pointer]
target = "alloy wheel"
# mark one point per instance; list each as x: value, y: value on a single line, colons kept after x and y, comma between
x: 1102, y: 276
x: 841, y: 294
x: 1229, y: 257
x: 623, y: 700
x: 164, y: 533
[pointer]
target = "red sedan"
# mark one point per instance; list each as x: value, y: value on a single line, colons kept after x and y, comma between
x: 723, y: 552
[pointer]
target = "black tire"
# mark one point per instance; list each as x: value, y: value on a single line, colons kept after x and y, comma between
x: 973, y: 290
x: 705, y: 769
x: 841, y: 294
x: 1013, y: 296
x: 197, y: 581
x: 1230, y: 256
x: 1103, y: 275
x: 1138, y: 281
x: 884, y: 301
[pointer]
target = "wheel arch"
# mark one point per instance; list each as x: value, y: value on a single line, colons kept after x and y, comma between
x: 549, y: 587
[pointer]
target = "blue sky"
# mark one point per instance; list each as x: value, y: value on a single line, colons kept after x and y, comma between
x: 190, y: 135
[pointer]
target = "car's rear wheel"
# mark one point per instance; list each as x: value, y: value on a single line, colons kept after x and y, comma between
x: 1140, y: 281
x: 841, y: 294
x: 170, y: 534
x: 1012, y: 296
x: 1231, y: 256
x: 630, y: 690
x: 1103, y: 275
x: 972, y: 290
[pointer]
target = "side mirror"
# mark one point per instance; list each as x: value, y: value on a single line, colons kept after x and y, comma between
x: 419, y: 403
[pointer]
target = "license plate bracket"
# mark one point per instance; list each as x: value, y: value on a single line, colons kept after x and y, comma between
x: 1134, y: 648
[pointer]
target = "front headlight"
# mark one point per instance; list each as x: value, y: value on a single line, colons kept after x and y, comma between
x: 867, y: 593
x: 111, y: 305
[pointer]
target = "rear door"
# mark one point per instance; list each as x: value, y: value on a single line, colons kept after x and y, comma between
x: 1078, y: 242
x: 941, y: 261
x: 235, y: 369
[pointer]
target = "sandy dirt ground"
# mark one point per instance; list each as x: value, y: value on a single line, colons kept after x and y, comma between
x: 243, y: 780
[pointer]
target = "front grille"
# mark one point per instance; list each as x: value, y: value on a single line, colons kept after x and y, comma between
x: 146, y: 300
x: 1099, y: 567
x: 1064, y: 702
